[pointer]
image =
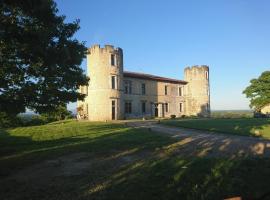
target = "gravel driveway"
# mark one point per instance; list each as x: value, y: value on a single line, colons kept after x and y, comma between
x: 204, y: 143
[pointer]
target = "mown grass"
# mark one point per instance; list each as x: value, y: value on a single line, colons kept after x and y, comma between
x: 243, y: 126
x: 127, y: 164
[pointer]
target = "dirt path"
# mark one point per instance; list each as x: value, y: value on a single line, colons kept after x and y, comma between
x: 205, y: 143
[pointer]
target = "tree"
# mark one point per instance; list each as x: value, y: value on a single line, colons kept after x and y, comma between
x: 39, y: 57
x: 259, y: 91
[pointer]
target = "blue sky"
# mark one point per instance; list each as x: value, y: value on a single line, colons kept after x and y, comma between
x: 162, y: 37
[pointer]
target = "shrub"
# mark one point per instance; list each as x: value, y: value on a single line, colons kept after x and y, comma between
x: 173, y: 116
x: 35, y: 121
x: 7, y: 121
x: 60, y: 113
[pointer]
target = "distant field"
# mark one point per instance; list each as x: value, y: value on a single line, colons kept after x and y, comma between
x: 243, y: 126
x: 231, y: 113
x: 85, y: 160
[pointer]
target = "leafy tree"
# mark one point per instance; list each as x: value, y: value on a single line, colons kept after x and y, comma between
x: 259, y: 91
x: 39, y: 57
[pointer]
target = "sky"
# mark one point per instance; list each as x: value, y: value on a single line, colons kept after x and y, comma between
x: 162, y: 37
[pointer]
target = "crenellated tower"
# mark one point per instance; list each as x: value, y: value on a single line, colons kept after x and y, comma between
x: 105, y: 69
x: 197, y: 91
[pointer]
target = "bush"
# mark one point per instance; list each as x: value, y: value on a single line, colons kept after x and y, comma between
x: 26, y: 119
x: 173, y: 116
x: 35, y: 121
x: 7, y: 121
x: 60, y: 113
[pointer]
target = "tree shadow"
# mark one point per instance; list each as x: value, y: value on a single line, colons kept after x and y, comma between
x: 127, y: 163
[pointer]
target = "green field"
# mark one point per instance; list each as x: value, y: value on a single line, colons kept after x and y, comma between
x: 231, y: 114
x: 83, y: 160
x: 243, y: 126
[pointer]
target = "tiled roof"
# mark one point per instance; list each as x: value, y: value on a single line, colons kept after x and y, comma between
x: 152, y: 77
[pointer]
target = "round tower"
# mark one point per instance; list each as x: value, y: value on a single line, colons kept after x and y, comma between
x: 197, y: 90
x: 105, y: 69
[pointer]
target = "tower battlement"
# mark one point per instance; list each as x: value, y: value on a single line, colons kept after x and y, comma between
x: 107, y: 48
x: 199, y: 72
x: 197, y: 68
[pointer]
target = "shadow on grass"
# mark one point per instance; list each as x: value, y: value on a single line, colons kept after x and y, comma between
x: 125, y: 163
x: 178, y: 178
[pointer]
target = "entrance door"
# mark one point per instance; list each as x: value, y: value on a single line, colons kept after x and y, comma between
x: 113, y: 110
x: 156, y: 110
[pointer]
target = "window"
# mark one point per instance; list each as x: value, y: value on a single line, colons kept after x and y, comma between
x: 206, y: 75
x: 128, y: 87
x: 112, y: 60
x: 128, y: 106
x: 180, y: 91
x: 113, y: 82
x: 166, y: 107
x: 166, y: 89
x: 113, y: 110
x: 180, y: 107
x: 143, y: 88
x: 143, y: 106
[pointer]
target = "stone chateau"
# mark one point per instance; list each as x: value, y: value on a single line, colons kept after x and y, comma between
x: 114, y: 94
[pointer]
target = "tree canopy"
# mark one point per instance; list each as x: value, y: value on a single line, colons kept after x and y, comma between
x: 39, y: 57
x: 259, y: 91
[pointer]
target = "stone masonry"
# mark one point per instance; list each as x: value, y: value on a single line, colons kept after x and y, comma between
x: 114, y: 94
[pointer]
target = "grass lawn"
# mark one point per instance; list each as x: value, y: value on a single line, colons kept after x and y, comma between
x: 84, y: 160
x: 244, y: 126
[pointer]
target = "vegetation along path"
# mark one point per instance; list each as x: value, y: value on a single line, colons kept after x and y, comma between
x: 207, y: 143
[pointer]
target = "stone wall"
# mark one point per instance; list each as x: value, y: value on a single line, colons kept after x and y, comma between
x: 197, y: 90
x: 105, y: 63
x: 100, y: 92
x: 155, y: 94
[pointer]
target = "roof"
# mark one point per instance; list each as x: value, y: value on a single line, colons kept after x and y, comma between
x: 152, y: 77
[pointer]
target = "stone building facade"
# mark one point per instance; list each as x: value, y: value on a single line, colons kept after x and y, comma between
x: 114, y: 94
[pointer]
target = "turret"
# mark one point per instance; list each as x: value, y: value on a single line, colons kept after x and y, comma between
x: 105, y: 69
x: 197, y: 91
